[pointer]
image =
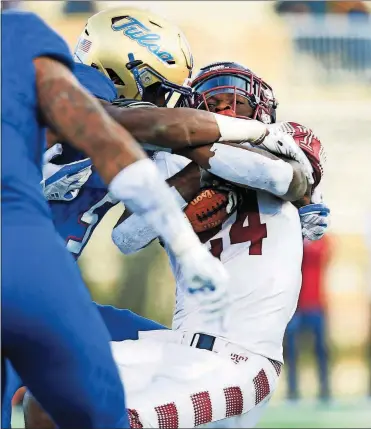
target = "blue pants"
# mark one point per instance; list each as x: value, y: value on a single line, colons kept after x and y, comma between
x: 121, y: 324
x: 313, y: 320
x: 52, y: 333
x: 124, y: 324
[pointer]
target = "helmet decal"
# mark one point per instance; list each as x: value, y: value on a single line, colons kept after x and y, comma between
x: 135, y: 30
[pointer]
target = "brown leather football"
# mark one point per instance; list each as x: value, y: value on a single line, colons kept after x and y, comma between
x: 208, y: 209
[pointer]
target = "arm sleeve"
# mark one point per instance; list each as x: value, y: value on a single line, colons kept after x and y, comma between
x: 133, y: 234
x: 124, y: 324
x: 248, y: 168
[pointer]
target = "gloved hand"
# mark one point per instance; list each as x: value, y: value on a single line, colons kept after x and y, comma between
x: 280, y: 143
x: 314, y: 220
x: 63, y: 182
x: 207, y: 281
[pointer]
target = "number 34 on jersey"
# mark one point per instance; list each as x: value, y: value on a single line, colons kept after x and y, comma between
x: 243, y: 228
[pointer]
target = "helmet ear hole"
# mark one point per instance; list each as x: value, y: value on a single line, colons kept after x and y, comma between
x: 117, y: 18
x: 115, y: 77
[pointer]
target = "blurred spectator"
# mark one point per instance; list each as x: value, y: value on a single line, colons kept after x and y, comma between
x: 336, y: 44
x: 350, y: 8
x: 76, y: 6
x: 303, y: 7
x: 9, y: 4
x: 310, y: 315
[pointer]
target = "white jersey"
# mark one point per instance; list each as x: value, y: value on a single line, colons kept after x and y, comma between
x: 261, y: 246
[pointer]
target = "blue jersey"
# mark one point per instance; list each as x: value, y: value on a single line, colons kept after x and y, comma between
x: 24, y: 37
x: 76, y: 220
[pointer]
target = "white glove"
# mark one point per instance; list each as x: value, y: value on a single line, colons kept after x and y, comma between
x: 207, y: 281
x: 314, y: 220
x: 280, y: 143
x: 63, y: 182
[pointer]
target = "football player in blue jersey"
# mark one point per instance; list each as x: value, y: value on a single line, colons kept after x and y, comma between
x: 34, y: 318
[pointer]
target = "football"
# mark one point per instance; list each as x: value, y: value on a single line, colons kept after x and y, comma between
x: 210, y: 208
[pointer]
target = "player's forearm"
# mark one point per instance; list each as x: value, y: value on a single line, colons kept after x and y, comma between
x: 132, y: 234
x: 76, y: 117
x: 251, y: 167
x: 179, y: 128
x: 34, y: 415
x: 187, y: 181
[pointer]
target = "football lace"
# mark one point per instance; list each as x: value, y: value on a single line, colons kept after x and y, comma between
x: 210, y: 213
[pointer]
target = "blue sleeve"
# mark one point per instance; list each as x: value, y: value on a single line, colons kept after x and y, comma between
x: 95, y: 82
x: 35, y: 37
x: 124, y: 324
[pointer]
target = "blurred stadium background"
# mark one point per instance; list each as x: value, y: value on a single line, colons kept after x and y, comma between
x: 317, y: 56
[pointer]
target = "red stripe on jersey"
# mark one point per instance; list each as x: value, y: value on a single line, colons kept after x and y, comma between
x: 202, y: 408
x: 262, y: 388
x: 167, y: 416
x: 134, y: 420
x: 233, y: 401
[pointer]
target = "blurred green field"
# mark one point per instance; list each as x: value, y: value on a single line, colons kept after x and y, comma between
x: 307, y: 414
x: 303, y: 414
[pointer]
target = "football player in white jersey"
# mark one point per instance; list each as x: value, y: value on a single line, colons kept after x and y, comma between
x: 172, y: 385
x: 171, y: 378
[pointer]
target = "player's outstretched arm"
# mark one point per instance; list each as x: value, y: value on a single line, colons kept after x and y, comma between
x: 253, y: 168
x: 183, y: 127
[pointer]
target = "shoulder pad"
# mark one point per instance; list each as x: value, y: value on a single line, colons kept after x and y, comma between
x: 309, y: 143
x: 131, y: 104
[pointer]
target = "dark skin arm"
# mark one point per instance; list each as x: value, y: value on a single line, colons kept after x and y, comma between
x: 34, y: 416
x: 298, y: 187
x: 171, y: 128
x: 78, y: 118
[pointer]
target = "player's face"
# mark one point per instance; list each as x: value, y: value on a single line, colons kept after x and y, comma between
x: 221, y: 102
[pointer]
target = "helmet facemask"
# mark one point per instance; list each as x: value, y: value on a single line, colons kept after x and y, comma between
x: 240, y: 83
x: 153, y: 87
